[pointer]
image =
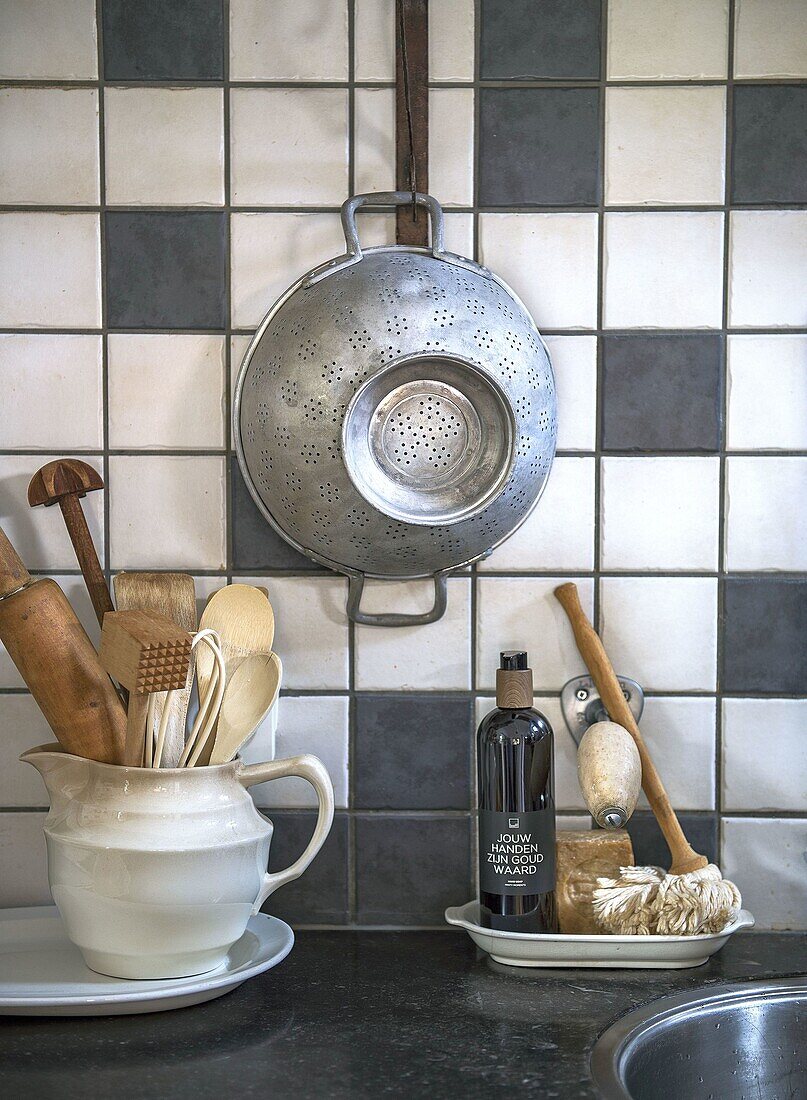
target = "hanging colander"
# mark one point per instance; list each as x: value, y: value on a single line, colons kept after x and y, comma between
x: 395, y: 414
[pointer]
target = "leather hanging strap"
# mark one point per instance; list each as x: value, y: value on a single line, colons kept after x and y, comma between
x: 412, y: 116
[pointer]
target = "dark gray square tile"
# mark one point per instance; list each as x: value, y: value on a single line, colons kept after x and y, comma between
x: 539, y: 146
x: 540, y: 39
x: 163, y: 39
x: 413, y: 752
x: 409, y: 869
x: 256, y: 544
x: 650, y: 847
x: 764, y: 635
x: 769, y: 159
x: 661, y: 393
x: 166, y: 270
x: 320, y: 896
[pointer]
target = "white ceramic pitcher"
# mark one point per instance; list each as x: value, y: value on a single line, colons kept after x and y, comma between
x: 156, y: 871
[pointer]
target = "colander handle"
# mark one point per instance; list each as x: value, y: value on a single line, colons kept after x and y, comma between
x: 391, y: 198
x: 367, y: 618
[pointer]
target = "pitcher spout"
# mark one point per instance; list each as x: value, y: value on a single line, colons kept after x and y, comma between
x: 60, y: 772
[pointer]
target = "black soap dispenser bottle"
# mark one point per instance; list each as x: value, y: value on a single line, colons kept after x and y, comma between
x: 514, y: 759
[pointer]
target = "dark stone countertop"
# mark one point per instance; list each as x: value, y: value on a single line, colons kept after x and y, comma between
x: 367, y: 1014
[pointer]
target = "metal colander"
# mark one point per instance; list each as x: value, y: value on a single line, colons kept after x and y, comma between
x: 395, y: 414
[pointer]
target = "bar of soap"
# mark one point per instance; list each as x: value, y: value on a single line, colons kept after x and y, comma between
x: 582, y: 858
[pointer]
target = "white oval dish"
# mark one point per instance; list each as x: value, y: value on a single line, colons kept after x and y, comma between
x: 635, y: 952
x: 43, y: 974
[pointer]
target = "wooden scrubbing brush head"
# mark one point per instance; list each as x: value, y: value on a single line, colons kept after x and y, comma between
x: 693, y: 897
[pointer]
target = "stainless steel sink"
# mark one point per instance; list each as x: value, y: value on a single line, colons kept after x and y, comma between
x: 737, y: 1042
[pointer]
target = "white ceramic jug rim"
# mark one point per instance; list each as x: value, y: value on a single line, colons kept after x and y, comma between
x: 55, y: 749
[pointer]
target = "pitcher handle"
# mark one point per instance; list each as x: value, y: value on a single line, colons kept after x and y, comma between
x: 313, y: 771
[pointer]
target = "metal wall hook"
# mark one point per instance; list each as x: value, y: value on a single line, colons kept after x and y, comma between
x: 582, y: 706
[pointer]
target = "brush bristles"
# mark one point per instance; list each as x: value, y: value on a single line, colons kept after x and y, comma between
x: 645, y: 901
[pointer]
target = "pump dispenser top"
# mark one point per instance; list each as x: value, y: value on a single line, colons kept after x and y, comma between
x: 513, y: 681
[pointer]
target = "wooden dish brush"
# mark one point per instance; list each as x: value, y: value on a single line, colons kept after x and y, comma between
x: 693, y: 897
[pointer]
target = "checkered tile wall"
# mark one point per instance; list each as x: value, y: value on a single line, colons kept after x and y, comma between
x: 637, y: 170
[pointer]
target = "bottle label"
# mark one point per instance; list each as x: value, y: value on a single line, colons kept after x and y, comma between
x: 517, y: 852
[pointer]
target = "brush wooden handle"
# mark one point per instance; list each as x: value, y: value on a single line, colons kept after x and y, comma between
x: 57, y: 661
x: 684, y: 857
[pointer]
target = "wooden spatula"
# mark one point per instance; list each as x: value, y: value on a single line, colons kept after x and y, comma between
x: 248, y: 698
x: 173, y: 595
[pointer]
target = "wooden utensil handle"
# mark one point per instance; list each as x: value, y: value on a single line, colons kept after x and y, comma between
x: 684, y: 857
x: 135, y: 730
x: 80, y: 536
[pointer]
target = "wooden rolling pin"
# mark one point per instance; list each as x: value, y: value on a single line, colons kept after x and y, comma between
x: 684, y: 857
x: 610, y: 773
x: 57, y: 661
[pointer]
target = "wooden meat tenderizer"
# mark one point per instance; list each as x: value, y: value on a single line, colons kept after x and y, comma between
x: 609, y: 771
x: 58, y: 663
x: 693, y: 897
x: 146, y: 652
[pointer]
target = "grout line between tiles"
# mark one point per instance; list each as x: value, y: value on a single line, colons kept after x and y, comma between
x: 107, y: 508
x: 352, y: 853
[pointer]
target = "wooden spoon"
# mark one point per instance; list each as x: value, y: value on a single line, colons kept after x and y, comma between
x: 245, y: 623
x: 248, y: 698
x: 173, y: 595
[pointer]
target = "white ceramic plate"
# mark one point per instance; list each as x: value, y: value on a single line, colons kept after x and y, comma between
x: 43, y: 974
x: 636, y: 952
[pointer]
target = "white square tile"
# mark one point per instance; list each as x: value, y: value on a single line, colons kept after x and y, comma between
x: 767, y: 393
x: 50, y: 146
x: 288, y: 40
x: 766, y: 524
x: 44, y: 41
x: 415, y: 658
x: 776, y: 777
x: 767, y: 268
x: 374, y: 152
x: 451, y: 145
x: 76, y: 591
x: 660, y: 513
x: 522, y: 613
x: 289, y: 146
x: 459, y: 232
x: 53, y: 392
x: 663, y: 270
x: 164, y: 146
x: 661, y: 631
x: 680, y: 734
x: 187, y: 372
x: 665, y: 146
x: 38, y: 534
x: 374, y: 37
x: 272, y: 251
x: 311, y: 631
x: 559, y: 534
x: 50, y: 270
x: 309, y: 724
x: 550, y: 260
x: 23, y: 860
x: 574, y: 363
x: 766, y: 860
x: 667, y: 39
x: 23, y: 726
x: 770, y: 38
x: 167, y: 512
x: 451, y: 40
